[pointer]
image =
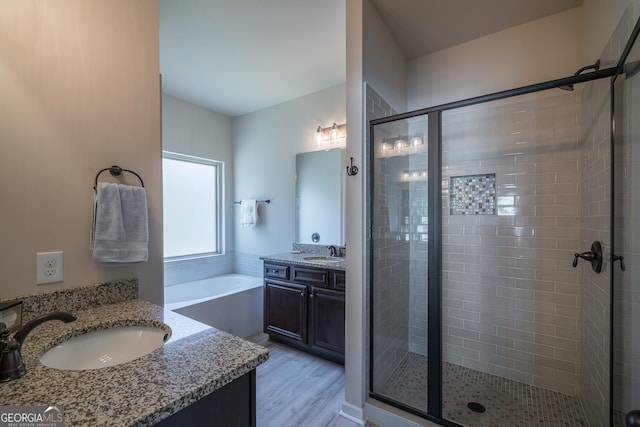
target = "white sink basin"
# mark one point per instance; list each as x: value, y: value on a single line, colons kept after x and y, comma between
x: 322, y: 259
x: 105, y: 347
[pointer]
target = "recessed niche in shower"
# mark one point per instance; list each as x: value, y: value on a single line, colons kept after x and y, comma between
x: 472, y: 194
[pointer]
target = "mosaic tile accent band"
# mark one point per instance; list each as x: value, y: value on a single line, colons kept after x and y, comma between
x: 472, y: 194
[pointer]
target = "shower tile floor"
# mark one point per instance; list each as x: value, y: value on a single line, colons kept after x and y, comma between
x: 508, y: 403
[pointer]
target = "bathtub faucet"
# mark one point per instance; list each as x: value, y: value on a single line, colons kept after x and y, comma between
x: 11, y: 363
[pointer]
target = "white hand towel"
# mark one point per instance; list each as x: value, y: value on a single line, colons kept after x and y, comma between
x: 248, y: 213
x: 120, y: 231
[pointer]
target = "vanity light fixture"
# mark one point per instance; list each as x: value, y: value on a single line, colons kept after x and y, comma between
x: 332, y: 136
x: 402, y: 145
x: 414, y: 175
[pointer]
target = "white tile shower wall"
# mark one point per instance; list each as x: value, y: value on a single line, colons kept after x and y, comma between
x: 390, y: 275
x: 596, y: 176
x: 511, y: 300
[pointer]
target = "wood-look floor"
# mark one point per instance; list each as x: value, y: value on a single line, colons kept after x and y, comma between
x: 298, y: 389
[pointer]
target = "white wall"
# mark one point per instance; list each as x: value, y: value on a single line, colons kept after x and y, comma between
x: 355, y: 325
x: 373, y: 57
x: 81, y: 92
x: 264, y: 160
x: 541, y: 50
x: 197, y: 131
x: 384, y: 64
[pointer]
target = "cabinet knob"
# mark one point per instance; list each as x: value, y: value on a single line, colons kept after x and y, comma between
x: 311, y: 295
x: 301, y: 294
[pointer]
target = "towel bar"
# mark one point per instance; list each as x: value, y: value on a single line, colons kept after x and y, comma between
x: 259, y: 201
x: 115, y: 171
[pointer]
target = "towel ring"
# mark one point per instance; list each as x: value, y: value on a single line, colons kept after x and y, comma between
x: 115, y: 171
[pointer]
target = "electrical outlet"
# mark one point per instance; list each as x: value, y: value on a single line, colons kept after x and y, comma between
x: 49, y: 267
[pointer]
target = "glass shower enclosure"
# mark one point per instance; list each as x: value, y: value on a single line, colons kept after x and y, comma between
x: 490, y: 300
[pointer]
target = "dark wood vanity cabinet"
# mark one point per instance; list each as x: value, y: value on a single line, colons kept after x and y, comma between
x: 285, y: 310
x: 305, y: 308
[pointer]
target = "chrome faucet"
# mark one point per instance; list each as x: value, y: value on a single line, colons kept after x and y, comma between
x: 11, y: 363
x: 333, y: 251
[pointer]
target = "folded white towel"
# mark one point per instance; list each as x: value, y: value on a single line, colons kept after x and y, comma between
x: 119, y: 230
x: 248, y: 213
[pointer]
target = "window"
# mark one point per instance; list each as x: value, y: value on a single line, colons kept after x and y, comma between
x: 192, y: 203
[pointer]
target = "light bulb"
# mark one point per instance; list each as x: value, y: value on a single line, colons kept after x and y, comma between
x: 399, y: 144
x: 415, y: 141
x: 319, y: 135
x: 334, y: 133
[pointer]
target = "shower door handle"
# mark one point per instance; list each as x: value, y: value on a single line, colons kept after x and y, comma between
x: 594, y: 257
x: 621, y: 259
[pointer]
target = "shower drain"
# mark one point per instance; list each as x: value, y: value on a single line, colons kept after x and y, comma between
x: 476, y: 407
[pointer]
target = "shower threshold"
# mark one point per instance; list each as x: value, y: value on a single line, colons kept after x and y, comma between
x: 507, y: 402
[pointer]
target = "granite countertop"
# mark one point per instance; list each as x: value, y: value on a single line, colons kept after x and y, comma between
x: 298, y: 258
x: 194, y: 362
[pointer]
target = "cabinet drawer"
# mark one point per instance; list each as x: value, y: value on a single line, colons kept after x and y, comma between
x: 310, y: 276
x: 338, y: 280
x: 276, y: 271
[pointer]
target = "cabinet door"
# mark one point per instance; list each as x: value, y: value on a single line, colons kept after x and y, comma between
x: 327, y: 320
x: 285, y: 310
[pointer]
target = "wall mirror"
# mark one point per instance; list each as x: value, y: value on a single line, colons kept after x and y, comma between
x: 320, y: 197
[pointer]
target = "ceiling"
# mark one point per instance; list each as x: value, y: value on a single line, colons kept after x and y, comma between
x: 239, y: 56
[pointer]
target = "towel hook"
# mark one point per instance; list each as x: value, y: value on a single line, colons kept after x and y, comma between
x: 115, y: 171
x: 352, y: 170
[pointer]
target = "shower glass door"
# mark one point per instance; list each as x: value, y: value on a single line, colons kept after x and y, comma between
x: 399, y: 263
x: 488, y: 305
x: 513, y: 171
x: 626, y: 241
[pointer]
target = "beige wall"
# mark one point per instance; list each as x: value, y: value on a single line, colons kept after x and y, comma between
x: 80, y: 88
x: 600, y: 20
x: 541, y: 50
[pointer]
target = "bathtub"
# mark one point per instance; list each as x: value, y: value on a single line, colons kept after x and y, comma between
x: 232, y: 303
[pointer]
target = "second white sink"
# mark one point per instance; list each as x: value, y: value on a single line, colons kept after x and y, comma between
x: 105, y: 347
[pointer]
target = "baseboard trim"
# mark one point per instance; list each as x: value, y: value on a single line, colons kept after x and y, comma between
x: 385, y: 415
x: 353, y: 413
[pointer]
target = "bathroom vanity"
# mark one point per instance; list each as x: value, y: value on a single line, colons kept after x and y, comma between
x: 304, y: 303
x: 200, y: 374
